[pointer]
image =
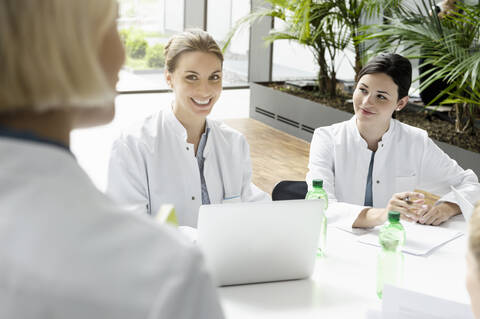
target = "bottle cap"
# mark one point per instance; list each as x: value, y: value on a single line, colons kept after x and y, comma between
x: 393, y: 216
x: 317, y: 183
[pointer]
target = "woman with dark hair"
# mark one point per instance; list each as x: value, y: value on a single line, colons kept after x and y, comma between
x: 372, y: 163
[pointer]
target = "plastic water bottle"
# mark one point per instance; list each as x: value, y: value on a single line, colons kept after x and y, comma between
x: 317, y: 192
x: 390, y: 258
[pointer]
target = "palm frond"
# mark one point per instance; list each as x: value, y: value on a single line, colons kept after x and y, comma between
x: 450, y: 46
x: 254, y: 16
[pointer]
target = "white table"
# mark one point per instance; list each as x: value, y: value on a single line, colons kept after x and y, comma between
x: 344, y: 282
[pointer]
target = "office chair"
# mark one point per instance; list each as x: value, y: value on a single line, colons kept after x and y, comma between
x: 285, y: 190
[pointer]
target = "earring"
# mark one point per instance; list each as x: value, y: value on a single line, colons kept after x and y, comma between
x: 398, y: 109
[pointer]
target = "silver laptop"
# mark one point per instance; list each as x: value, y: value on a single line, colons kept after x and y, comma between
x: 261, y: 241
x: 465, y: 205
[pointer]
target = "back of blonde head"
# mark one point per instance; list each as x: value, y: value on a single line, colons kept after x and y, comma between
x: 49, y: 54
x: 189, y: 41
x: 474, y: 239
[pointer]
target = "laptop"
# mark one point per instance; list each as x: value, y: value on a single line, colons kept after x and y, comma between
x: 260, y: 241
x: 465, y: 205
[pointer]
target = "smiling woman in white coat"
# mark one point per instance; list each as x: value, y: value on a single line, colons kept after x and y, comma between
x: 178, y: 155
x: 66, y: 249
x: 372, y: 163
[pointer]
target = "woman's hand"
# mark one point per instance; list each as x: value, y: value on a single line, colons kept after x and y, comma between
x: 439, y: 214
x: 410, y: 205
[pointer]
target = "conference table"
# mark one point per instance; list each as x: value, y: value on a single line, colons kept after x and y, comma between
x: 343, y: 284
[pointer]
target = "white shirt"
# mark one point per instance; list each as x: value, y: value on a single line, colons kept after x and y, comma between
x: 153, y: 164
x: 66, y: 251
x: 406, y: 159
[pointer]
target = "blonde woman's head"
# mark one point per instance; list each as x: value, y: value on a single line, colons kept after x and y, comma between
x: 50, y: 53
x: 189, y: 41
x: 473, y: 261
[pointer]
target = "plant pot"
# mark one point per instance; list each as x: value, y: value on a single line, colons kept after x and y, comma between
x: 299, y: 117
x: 291, y: 114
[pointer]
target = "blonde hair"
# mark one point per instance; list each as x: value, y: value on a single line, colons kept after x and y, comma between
x: 474, y: 237
x: 49, y: 53
x: 189, y: 41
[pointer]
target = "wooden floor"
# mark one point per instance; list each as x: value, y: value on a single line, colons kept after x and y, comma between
x: 275, y: 155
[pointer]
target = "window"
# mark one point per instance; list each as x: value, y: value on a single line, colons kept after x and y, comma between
x: 293, y: 61
x: 145, y: 26
x: 221, y: 17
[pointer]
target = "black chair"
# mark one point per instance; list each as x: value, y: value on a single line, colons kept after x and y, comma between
x: 286, y: 190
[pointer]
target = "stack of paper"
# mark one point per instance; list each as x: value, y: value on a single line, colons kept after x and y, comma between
x: 421, y: 239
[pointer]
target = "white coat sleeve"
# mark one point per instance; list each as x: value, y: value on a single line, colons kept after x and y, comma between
x: 321, y: 165
x: 191, y: 296
x: 439, y: 172
x: 127, y: 181
x: 250, y: 192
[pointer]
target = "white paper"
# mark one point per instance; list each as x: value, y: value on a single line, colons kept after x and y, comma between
x: 346, y: 225
x: 399, y: 303
x: 421, y: 239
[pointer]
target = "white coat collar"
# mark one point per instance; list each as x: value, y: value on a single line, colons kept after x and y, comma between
x: 386, y: 137
x: 180, y: 131
x: 208, y: 129
x: 174, y: 124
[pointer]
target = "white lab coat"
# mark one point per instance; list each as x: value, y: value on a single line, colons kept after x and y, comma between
x: 66, y: 251
x: 152, y: 164
x: 406, y: 159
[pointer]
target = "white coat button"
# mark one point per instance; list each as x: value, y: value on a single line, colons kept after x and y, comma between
x: 193, y: 197
x: 188, y: 148
x: 378, y: 182
x: 381, y: 145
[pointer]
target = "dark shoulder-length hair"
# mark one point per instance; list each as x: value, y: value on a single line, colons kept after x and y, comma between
x: 394, y: 65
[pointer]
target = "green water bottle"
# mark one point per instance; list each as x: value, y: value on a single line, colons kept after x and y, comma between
x: 317, y: 192
x: 390, y: 258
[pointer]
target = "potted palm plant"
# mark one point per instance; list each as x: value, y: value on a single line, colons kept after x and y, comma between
x: 448, y: 42
x: 326, y: 28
